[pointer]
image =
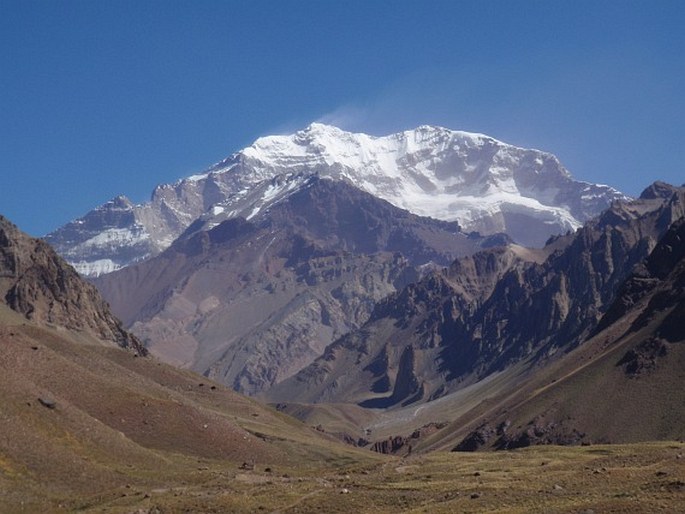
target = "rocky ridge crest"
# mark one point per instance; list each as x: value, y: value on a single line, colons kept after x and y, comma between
x: 39, y: 285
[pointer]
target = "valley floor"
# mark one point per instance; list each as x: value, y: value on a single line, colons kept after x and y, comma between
x: 647, y: 477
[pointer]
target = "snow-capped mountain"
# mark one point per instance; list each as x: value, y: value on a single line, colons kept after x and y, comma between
x: 484, y: 184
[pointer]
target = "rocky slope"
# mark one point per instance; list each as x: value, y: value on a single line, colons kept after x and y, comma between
x: 484, y: 184
x: 488, y: 312
x: 87, y: 423
x: 250, y: 303
x: 624, y: 384
x: 37, y: 283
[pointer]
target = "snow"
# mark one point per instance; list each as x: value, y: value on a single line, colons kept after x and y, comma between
x: 95, y: 268
x: 251, y: 202
x: 196, y: 178
x: 254, y: 212
x: 460, y: 176
x: 431, y: 171
x: 116, y: 237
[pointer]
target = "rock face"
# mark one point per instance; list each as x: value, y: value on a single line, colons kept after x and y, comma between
x: 624, y: 383
x: 401, y: 444
x: 666, y: 259
x: 105, y: 238
x: 658, y: 284
x: 38, y: 284
x: 250, y: 303
x: 483, y: 184
x: 489, y: 311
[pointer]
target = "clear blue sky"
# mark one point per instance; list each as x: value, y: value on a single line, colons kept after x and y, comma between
x: 100, y: 98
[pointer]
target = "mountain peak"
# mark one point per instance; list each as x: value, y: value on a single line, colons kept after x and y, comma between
x: 120, y: 202
x: 483, y: 184
x: 321, y: 128
x: 658, y: 190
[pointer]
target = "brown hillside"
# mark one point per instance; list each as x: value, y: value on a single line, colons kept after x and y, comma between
x: 622, y: 385
x: 83, y: 421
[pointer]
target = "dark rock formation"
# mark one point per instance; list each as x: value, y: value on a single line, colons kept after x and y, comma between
x: 394, y: 444
x: 476, y: 439
x: 250, y: 303
x: 643, y: 358
x: 498, y: 307
x: 38, y: 284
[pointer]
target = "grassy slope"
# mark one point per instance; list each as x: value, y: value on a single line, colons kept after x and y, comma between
x: 124, y: 420
x: 128, y: 435
x: 620, y: 479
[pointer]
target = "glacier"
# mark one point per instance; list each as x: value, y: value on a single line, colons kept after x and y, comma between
x: 485, y: 185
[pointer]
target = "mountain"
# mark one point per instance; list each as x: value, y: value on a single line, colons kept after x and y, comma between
x: 498, y: 310
x: 36, y: 283
x: 251, y: 302
x: 89, y: 426
x: 88, y: 422
x: 632, y: 369
x: 483, y: 184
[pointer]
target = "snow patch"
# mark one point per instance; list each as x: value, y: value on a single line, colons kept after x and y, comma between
x: 452, y: 175
x: 116, y: 237
x: 95, y: 268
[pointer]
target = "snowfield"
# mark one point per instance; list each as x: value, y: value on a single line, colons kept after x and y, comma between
x: 482, y: 183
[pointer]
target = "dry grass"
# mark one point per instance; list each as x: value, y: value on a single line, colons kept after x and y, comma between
x: 621, y: 478
x: 120, y: 420
x: 130, y: 435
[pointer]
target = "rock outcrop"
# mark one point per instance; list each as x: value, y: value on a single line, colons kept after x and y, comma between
x: 489, y: 311
x: 38, y: 284
x: 251, y: 302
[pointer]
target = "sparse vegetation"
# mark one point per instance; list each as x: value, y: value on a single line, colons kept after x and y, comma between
x: 88, y: 423
x: 646, y: 477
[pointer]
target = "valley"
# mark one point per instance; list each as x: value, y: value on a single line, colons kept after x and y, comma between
x: 647, y: 477
x: 318, y: 348
x: 342, y: 257
x: 386, y: 329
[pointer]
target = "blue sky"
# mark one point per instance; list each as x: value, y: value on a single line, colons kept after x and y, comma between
x: 100, y: 98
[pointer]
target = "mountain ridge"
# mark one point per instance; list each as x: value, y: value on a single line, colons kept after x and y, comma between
x: 280, y: 285
x: 484, y: 184
x: 634, y: 357
x: 445, y: 332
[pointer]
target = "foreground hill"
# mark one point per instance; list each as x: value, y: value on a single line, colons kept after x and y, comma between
x: 84, y: 415
x: 481, y: 183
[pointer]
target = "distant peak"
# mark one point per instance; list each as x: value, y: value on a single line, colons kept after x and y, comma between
x: 658, y: 190
x: 320, y: 129
x: 484, y: 184
x: 119, y: 202
x: 431, y: 128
